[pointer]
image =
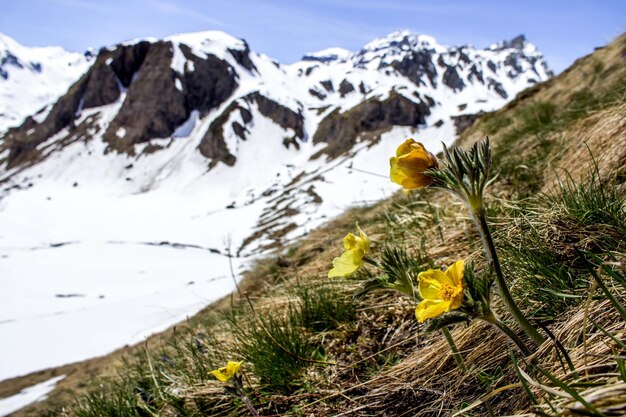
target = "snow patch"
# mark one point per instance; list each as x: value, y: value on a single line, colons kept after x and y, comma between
x: 28, y: 396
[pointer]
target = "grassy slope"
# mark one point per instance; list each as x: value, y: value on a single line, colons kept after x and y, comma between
x: 388, y: 365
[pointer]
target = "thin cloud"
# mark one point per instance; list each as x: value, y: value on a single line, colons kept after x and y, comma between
x: 172, y: 8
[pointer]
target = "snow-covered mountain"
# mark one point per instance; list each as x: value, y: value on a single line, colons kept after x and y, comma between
x: 32, y: 78
x: 120, y: 202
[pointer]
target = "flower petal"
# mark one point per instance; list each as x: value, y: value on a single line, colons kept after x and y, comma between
x: 428, y: 309
x: 350, y: 242
x: 408, y: 146
x: 365, y: 240
x: 348, y: 263
x: 233, y: 367
x: 430, y: 283
x: 221, y: 374
x: 457, y: 298
x: 455, y: 272
x: 396, y: 174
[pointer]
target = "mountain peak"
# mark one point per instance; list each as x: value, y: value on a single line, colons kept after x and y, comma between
x: 328, y: 54
x: 402, y: 39
x: 209, y: 37
x: 519, y: 43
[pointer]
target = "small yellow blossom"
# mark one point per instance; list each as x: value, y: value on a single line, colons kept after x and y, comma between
x: 352, y: 259
x: 409, y: 164
x: 227, y: 372
x: 440, y: 292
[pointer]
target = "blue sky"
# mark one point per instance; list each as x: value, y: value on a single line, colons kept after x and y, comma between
x: 286, y: 29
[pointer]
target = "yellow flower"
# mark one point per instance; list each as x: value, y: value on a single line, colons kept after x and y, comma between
x: 352, y: 259
x: 226, y: 373
x: 409, y: 164
x: 440, y: 292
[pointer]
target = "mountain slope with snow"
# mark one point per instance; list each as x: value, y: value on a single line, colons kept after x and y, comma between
x: 33, y: 78
x: 121, y: 204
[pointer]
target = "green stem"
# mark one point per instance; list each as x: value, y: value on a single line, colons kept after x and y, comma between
x: 455, y: 351
x: 371, y: 261
x: 481, y: 218
x: 491, y: 318
x: 243, y: 397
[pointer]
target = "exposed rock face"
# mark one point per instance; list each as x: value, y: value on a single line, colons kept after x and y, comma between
x: 213, y: 145
x: 142, y: 69
x: 464, y: 121
x: 497, y: 87
x: 111, y: 70
x: 210, y: 83
x: 328, y: 85
x: 341, y: 130
x: 452, y: 79
x: 243, y: 57
x: 281, y: 115
x: 345, y: 88
x: 23, y: 140
x: 145, y: 115
x: 415, y: 65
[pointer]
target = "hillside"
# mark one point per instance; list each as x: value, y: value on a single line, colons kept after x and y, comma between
x: 559, y: 153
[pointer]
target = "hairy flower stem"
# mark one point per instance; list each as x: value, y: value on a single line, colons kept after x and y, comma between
x: 455, y: 351
x: 371, y: 261
x: 481, y: 218
x: 491, y: 318
x: 244, y: 398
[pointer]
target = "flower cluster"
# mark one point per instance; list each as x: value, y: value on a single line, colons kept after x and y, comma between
x: 456, y: 295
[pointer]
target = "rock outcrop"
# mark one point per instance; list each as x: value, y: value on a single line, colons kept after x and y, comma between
x: 341, y: 130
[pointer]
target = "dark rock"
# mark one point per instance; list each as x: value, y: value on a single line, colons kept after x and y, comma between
x: 102, y: 87
x: 213, y: 144
x: 310, y: 70
x: 492, y: 66
x: 126, y: 61
x: 23, y: 140
x: 239, y: 130
x: 465, y: 121
x: 362, y: 88
x: 279, y: 114
x: 513, y: 61
x: 438, y: 123
x: 476, y: 74
x: 497, y: 87
x: 291, y: 141
x: 145, y: 115
x: 317, y: 94
x: 452, y: 79
x: 210, y: 83
x: 243, y: 57
x: 415, y: 65
x: 462, y: 107
x: 430, y: 101
x: 328, y: 85
x: 345, y: 88
x: 340, y: 131
x: 246, y: 116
